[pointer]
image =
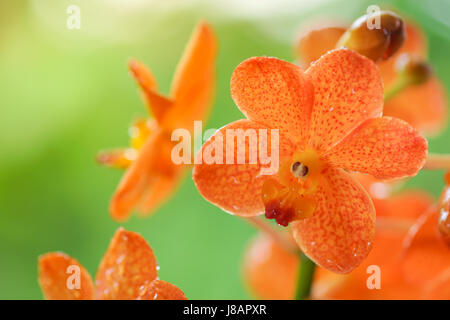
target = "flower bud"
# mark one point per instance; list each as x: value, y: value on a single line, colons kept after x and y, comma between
x: 377, y: 43
x: 415, y: 70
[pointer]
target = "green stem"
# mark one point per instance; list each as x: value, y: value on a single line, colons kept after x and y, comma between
x: 305, y: 278
x: 399, y: 85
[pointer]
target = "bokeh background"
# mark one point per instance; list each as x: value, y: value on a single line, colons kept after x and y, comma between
x: 65, y: 94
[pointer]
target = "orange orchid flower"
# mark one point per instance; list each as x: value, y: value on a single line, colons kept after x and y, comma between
x: 128, y: 271
x: 329, y: 121
x: 424, y: 105
x: 151, y: 175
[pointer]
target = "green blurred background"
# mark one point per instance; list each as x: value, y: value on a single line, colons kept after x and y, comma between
x: 65, y: 94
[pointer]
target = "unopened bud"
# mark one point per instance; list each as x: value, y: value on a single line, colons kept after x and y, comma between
x: 414, y: 69
x: 377, y: 42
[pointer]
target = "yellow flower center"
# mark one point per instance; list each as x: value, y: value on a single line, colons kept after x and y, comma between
x: 289, y: 196
x: 139, y: 132
x: 122, y: 158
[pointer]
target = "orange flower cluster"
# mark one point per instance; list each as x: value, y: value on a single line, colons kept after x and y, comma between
x: 128, y: 271
x: 335, y: 143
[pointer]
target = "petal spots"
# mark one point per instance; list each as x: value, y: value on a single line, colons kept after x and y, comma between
x: 275, y: 93
x: 339, y: 235
x: 384, y: 147
x: 347, y: 91
x: 236, y: 187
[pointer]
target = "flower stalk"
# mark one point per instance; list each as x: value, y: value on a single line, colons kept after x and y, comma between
x: 305, y: 278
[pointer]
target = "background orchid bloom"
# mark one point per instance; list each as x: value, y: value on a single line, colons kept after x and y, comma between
x: 426, y: 256
x: 401, y: 206
x: 128, y: 271
x: 424, y: 105
x: 270, y: 272
x: 151, y: 175
x: 329, y: 119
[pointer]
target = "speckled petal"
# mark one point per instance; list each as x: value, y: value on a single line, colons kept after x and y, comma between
x: 385, y: 147
x: 236, y: 188
x: 127, y: 268
x: 347, y: 91
x: 58, y: 277
x: 340, y: 234
x: 163, y: 290
x: 275, y: 93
